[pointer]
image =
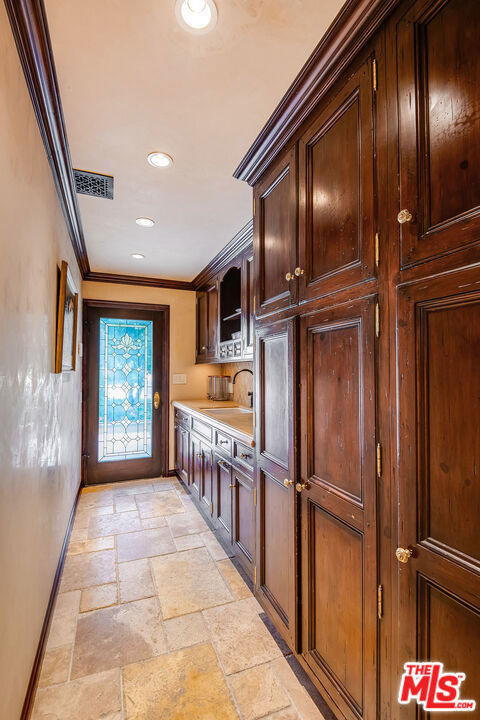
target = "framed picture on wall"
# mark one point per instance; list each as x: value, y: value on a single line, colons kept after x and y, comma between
x: 66, y: 347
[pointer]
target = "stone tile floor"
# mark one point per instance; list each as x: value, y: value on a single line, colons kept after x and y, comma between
x: 154, y: 622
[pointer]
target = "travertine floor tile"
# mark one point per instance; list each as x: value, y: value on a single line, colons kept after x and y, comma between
x: 186, y: 630
x: 82, y: 517
x: 95, y: 497
x: 55, y: 666
x: 297, y: 693
x: 288, y: 713
x: 186, y: 685
x: 153, y: 522
x: 188, y: 542
x: 125, y: 503
x: 87, y: 569
x: 97, y: 697
x: 234, y: 579
x: 97, y: 597
x: 188, y: 581
x: 159, y: 503
x: 239, y: 636
x: 258, y: 692
x: 133, y: 487
x: 114, y: 524
x: 78, y: 534
x: 64, y: 620
x: 117, y: 636
x: 213, y: 546
x: 162, y: 486
x: 86, y: 546
x: 145, y: 543
x: 186, y: 524
x: 135, y: 580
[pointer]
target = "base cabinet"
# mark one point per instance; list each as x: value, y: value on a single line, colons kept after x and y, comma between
x: 219, y: 474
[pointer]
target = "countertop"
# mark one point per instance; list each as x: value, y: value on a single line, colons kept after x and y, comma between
x: 239, y: 424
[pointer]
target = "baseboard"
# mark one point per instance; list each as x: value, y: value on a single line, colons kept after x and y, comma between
x: 37, y: 663
x: 172, y: 473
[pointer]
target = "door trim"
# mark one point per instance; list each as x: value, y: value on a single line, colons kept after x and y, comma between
x: 164, y: 379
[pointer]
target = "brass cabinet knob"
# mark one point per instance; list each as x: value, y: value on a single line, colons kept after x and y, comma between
x: 301, y: 486
x: 244, y: 456
x: 204, y: 347
x: 156, y: 401
x: 404, y: 216
x: 403, y: 555
x: 199, y: 455
x: 232, y: 487
x: 299, y: 271
x: 288, y: 482
x: 289, y: 276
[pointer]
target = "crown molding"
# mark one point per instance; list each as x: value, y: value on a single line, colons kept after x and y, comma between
x: 93, y: 276
x: 355, y: 24
x: 30, y: 29
x: 238, y: 244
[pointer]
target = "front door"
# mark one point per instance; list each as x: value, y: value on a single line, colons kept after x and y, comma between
x: 126, y: 391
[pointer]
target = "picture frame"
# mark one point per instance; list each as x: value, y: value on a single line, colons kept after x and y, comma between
x: 67, y: 316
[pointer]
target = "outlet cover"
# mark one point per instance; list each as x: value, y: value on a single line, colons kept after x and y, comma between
x: 179, y: 379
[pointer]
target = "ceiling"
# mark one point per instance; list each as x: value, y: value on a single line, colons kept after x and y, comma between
x: 133, y: 81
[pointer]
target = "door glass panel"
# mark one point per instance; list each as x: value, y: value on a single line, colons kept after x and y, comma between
x: 125, y: 389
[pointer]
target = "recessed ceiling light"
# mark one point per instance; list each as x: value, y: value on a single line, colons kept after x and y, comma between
x: 137, y: 256
x: 159, y: 159
x: 197, y: 16
x: 145, y: 222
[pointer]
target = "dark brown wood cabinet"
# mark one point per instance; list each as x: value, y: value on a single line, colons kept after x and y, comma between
x: 182, y: 453
x: 275, y: 236
x: 275, y: 476
x: 226, y: 304
x: 366, y: 184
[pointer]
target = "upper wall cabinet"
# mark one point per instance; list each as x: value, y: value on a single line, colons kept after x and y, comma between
x: 438, y: 77
x: 337, y: 191
x: 275, y: 236
x: 225, y: 312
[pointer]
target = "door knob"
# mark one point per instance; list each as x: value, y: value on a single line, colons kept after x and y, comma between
x: 404, y: 216
x: 288, y: 482
x: 156, y: 401
x: 301, y: 486
x: 403, y: 555
x: 289, y: 276
x: 299, y: 271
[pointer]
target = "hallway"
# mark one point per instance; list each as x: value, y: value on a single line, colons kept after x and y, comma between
x: 153, y: 620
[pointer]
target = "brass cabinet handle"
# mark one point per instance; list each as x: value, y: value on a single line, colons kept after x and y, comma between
x: 301, y: 486
x: 299, y: 271
x: 289, y: 276
x: 288, y: 482
x: 404, y: 216
x: 223, y: 442
x: 403, y: 555
x: 244, y: 456
x: 231, y: 487
x: 156, y: 401
x: 199, y: 455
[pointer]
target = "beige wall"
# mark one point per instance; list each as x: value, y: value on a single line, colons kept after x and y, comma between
x: 182, y: 335
x: 39, y: 411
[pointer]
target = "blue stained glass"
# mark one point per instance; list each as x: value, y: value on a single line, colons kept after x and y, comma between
x: 125, y: 390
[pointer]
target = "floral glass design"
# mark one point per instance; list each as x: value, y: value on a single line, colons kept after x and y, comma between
x: 125, y: 390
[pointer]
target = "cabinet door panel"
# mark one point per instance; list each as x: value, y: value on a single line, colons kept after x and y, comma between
x: 212, y: 320
x: 196, y: 464
x: 248, y: 303
x: 439, y: 127
x: 206, y: 485
x: 338, y: 503
x: 275, y: 236
x: 224, y: 499
x: 202, y: 326
x: 337, y: 191
x: 275, y: 440
x: 244, y: 520
x: 438, y: 328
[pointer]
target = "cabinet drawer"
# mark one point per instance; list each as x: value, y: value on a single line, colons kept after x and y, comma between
x: 181, y: 418
x: 243, y: 455
x: 202, y: 429
x: 223, y: 442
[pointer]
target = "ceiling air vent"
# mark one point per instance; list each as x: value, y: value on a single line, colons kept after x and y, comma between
x: 89, y: 183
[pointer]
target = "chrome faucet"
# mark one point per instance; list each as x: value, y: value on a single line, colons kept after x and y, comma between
x: 250, y: 394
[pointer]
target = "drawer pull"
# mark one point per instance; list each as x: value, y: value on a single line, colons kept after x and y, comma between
x: 244, y: 456
x: 223, y: 442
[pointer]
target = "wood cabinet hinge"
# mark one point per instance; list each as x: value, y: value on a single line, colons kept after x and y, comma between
x: 255, y: 576
x: 380, y: 602
x: 377, y: 320
x: 377, y: 249
x: 379, y: 460
x: 255, y: 496
x: 374, y: 75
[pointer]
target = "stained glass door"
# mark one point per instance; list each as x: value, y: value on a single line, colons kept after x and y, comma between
x: 123, y: 412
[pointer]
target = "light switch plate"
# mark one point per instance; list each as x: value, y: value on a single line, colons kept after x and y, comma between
x: 179, y: 379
